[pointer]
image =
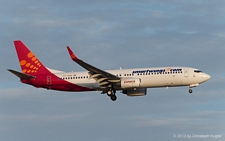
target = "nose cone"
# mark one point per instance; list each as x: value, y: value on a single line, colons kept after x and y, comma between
x: 206, y: 77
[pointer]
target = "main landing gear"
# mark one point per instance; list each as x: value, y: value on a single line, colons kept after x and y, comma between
x: 112, y: 94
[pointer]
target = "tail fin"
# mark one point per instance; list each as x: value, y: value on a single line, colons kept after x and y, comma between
x: 29, y: 63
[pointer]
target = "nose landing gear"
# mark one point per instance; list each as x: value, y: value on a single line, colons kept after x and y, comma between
x: 192, y: 86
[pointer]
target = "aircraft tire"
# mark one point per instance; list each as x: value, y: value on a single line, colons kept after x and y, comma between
x: 109, y: 92
x: 113, y: 97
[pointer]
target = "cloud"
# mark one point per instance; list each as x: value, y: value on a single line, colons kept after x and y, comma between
x: 189, y: 32
x: 37, y: 118
x: 204, y: 120
x: 221, y: 35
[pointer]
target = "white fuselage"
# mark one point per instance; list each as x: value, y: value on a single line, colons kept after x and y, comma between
x: 149, y: 77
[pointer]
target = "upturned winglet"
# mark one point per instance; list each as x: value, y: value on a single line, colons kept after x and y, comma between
x: 72, y: 55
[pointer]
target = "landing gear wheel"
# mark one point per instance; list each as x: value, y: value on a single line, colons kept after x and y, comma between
x: 109, y: 92
x: 190, y: 91
x: 113, y: 97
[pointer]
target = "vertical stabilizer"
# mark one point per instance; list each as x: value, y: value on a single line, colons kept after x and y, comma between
x: 29, y: 63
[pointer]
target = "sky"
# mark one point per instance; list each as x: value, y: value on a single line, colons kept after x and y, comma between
x: 110, y: 34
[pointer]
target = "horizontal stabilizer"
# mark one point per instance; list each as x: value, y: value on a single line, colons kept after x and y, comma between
x: 21, y: 75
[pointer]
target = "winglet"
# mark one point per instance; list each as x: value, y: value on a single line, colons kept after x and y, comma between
x: 72, y: 55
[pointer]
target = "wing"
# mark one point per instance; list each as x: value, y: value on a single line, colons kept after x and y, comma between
x: 99, y: 75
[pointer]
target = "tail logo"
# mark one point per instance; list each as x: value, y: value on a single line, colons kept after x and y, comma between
x: 31, y: 64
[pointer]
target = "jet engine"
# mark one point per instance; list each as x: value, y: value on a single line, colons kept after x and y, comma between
x: 130, y: 83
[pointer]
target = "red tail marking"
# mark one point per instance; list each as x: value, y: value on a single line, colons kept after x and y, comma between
x: 32, y: 66
x: 29, y: 63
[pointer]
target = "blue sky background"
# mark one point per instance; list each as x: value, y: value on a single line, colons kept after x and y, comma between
x: 109, y: 35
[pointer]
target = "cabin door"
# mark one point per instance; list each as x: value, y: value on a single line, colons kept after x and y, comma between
x: 186, y: 72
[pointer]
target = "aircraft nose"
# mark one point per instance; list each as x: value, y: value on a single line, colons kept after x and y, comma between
x: 206, y: 76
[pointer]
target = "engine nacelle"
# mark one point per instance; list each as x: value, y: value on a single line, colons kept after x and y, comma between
x: 130, y: 83
x: 137, y: 92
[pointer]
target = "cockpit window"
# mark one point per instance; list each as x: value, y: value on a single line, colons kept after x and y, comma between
x: 197, y: 71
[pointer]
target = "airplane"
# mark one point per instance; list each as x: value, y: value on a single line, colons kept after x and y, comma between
x: 131, y: 82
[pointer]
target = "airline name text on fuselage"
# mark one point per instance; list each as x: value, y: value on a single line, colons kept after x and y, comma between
x: 158, y: 71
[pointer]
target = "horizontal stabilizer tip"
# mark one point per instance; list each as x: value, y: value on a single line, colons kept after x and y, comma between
x: 21, y: 75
